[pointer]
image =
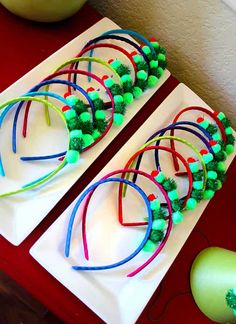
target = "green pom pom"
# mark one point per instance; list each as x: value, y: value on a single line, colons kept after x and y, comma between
x: 137, y: 58
x: 176, y: 205
x: 226, y: 122
x: 101, y: 125
x: 197, y: 194
x: 194, y: 167
x: 99, y: 104
x: 100, y: 114
x: 230, y: 139
x: 87, y: 127
x: 191, y: 203
x: 120, y: 108
x: 80, y: 107
x: 204, y: 124
x: 69, y: 114
x: 231, y: 298
x: 212, y: 166
x: 77, y: 133
x: 72, y: 156
x: 118, y: 99
x: 173, y: 194
x: 72, y: 100
x: 160, y: 72
x: 221, y: 176
x: 126, y: 78
x: 169, y: 184
x: 207, y: 158
x: 153, y: 64
x: 221, y: 115
x: 197, y: 176
x: 115, y: 64
x: 156, y: 236
x: 96, y: 134
x: 123, y: 69
x: 152, y: 81
x: 198, y: 185
x: 229, y: 149
x: 219, y: 184
x: 229, y: 131
x: 220, y: 156
x: 211, y: 175
x: 146, y: 49
x: 155, y: 204
x: 160, y: 177
x: 161, y: 57
x: 149, y: 246
x: 212, y: 184
x: 128, y: 98
x: 216, y: 136
x: 177, y: 217
x: 221, y: 166
x: 142, y: 66
x: 73, y: 123
x: 85, y: 117
x: 94, y: 95
x: 76, y: 144
x: 208, y: 194
x: 109, y: 82
x: 159, y: 224
x: 142, y: 75
x: 216, y: 148
x: 88, y: 139
x: 116, y: 89
x: 155, y: 45
x: 118, y: 119
x: 212, y: 129
x: 142, y: 84
x: 159, y: 213
x: 137, y: 92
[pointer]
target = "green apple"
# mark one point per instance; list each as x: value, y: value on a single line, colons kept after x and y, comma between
x: 213, y: 273
x: 43, y: 10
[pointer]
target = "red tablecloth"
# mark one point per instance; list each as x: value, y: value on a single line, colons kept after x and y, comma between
x: 24, y: 44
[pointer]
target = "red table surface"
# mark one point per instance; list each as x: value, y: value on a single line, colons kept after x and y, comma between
x: 25, y: 44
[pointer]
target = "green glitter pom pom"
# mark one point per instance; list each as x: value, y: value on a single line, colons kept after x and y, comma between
x: 142, y: 66
x: 69, y: 114
x: 155, y: 204
x: 230, y: 139
x: 116, y: 89
x: 120, y: 108
x: 212, y: 129
x: 173, y: 195
x: 152, y: 81
x: 211, y: 175
x: 231, y: 298
x: 128, y: 98
x: 96, y: 134
x: 142, y: 75
x: 221, y: 176
x: 137, y: 92
x: 220, y: 156
x: 149, y: 246
x: 94, y: 95
x: 211, y: 184
x: 80, y: 107
x: 159, y: 213
x: 229, y: 149
x: 76, y: 144
x: 159, y: 224
x: 226, y: 122
x: 88, y: 139
x: 118, y: 119
x: 100, y: 114
x: 72, y: 156
x: 191, y: 204
x: 169, y: 184
x: 156, y: 236
x: 77, y: 133
x: 98, y: 104
x: 177, y: 217
x: 101, y: 125
x: 176, y: 205
x: 212, y: 166
x: 198, y: 185
x: 197, y: 176
x: 122, y: 70
x: 197, y: 194
x: 72, y: 100
x: 208, y: 194
x: 73, y: 123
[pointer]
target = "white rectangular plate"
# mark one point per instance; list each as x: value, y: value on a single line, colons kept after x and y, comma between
x: 109, y: 293
x: 20, y: 214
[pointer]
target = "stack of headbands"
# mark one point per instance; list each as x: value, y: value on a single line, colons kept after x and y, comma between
x: 89, y: 117
x: 205, y: 171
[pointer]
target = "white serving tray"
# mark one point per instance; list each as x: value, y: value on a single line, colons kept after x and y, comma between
x: 110, y: 294
x: 20, y: 214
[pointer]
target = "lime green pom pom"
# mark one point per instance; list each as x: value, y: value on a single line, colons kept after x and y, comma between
x: 72, y: 156
x: 216, y: 148
x: 191, y: 203
x: 160, y: 177
x: 146, y: 49
x: 152, y: 81
x: 219, y: 184
x: 137, y: 92
x: 155, y: 45
x: 115, y: 64
x: 173, y: 195
x: 96, y: 134
x: 118, y: 119
x: 142, y: 75
x: 76, y: 133
x: 207, y: 158
x: 149, y: 246
x: 126, y: 78
x: 100, y: 114
x: 128, y: 98
x: 155, y: 204
x: 221, y: 116
x: 204, y: 124
x: 159, y: 224
x: 153, y: 64
x: 228, y: 131
x: 208, y: 194
x: 118, y: 99
x: 72, y: 100
x: 198, y: 185
x: 137, y: 58
x: 109, y: 82
x: 160, y: 72
x: 93, y: 95
x: 229, y: 149
x: 211, y: 175
x: 88, y: 139
x: 194, y: 167
x: 161, y: 57
x: 85, y: 117
x: 221, y: 166
x: 69, y: 114
x: 216, y: 136
x: 177, y: 217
